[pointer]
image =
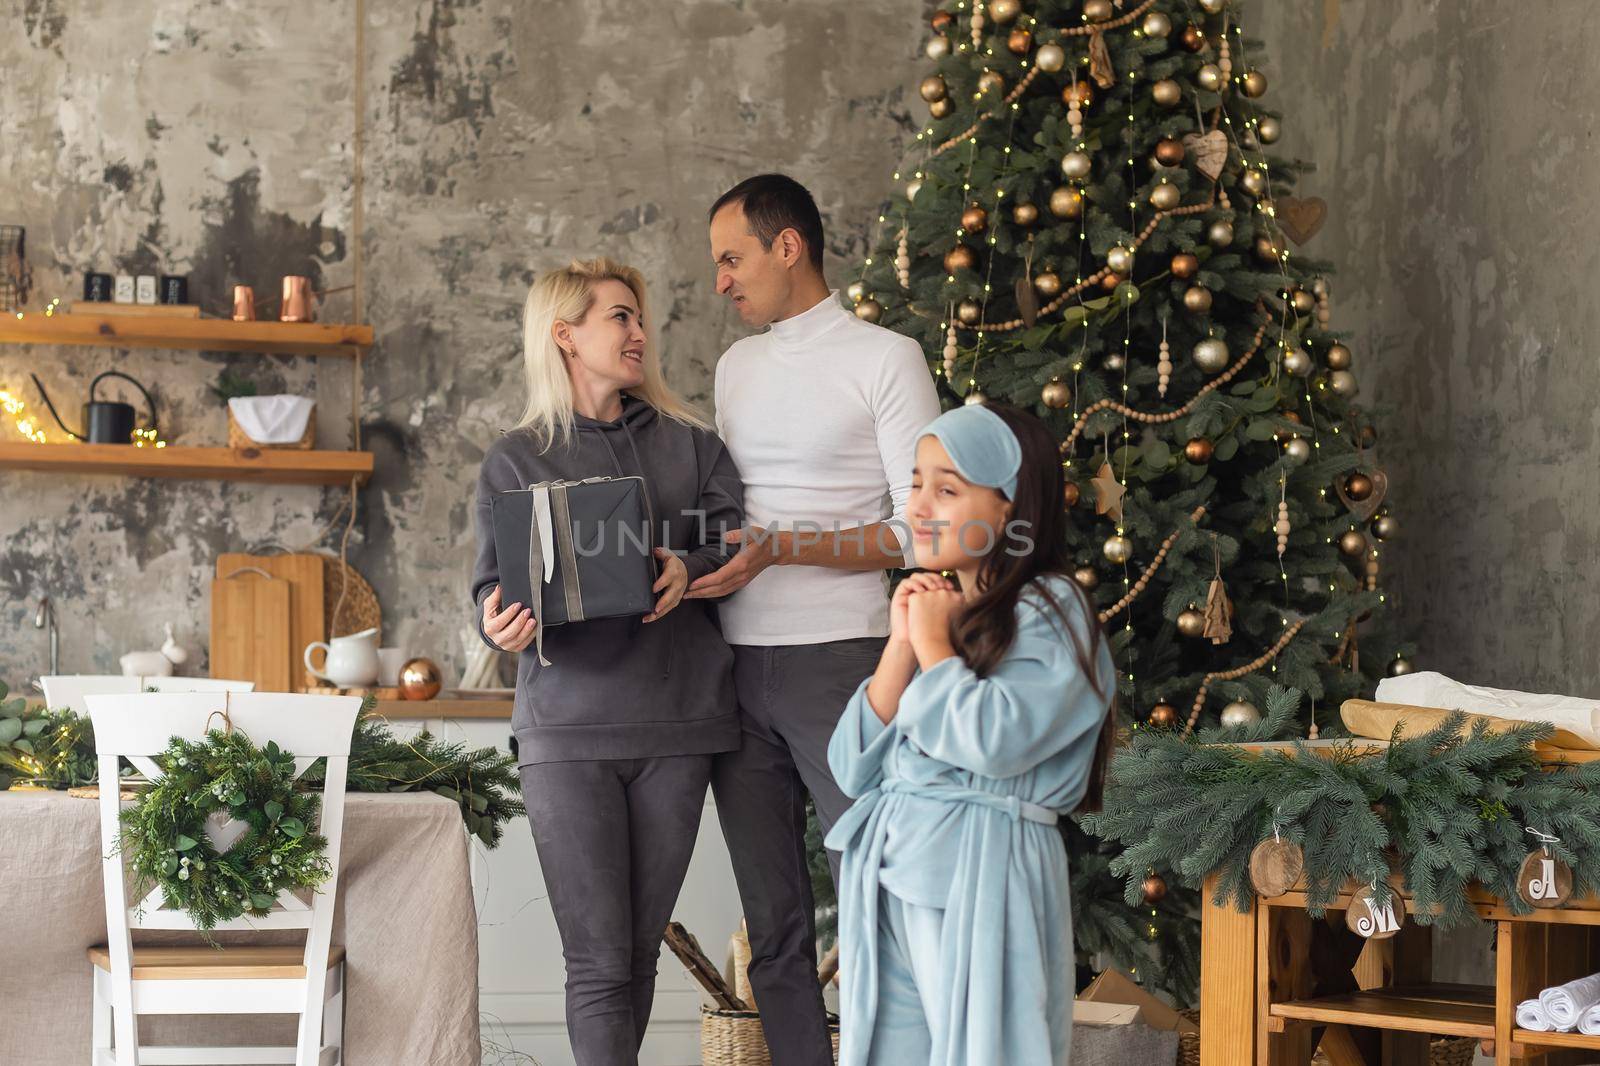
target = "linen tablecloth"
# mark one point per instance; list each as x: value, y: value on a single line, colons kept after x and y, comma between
x: 405, y: 916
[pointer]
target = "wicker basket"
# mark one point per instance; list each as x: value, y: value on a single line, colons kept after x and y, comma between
x: 238, y: 439
x: 1442, y: 1051
x: 734, y: 1038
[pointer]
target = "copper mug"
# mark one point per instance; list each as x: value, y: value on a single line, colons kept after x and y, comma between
x: 297, y: 296
x: 244, y: 304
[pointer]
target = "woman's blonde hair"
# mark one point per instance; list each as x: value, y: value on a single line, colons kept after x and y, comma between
x: 566, y: 295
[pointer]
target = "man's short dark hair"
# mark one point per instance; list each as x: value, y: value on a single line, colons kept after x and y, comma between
x: 773, y: 203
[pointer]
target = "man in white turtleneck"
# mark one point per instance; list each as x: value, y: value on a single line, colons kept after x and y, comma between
x: 821, y: 415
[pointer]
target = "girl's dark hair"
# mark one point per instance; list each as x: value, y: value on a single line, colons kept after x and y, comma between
x: 985, y: 631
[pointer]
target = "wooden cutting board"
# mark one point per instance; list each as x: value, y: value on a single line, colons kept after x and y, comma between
x: 307, y: 619
x: 250, y: 630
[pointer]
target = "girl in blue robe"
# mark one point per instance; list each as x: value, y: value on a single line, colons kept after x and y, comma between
x: 986, y: 720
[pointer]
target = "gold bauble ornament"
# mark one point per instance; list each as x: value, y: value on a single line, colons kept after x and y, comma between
x: 1268, y: 129
x: 1156, y: 24
x: 1070, y: 494
x: 1051, y: 58
x: 1019, y: 41
x: 1004, y: 11
x: 1165, y: 196
x: 933, y: 88
x: 1297, y: 361
x: 1209, y: 77
x: 1385, y: 526
x: 1255, y: 84
x: 1194, y: 37
x: 912, y: 188
x: 1056, y: 394
x: 990, y: 81
x: 1076, y: 165
x: 1024, y: 213
x: 974, y: 219
x: 1120, y: 259
x: 1211, y: 355
x: 1352, y: 543
x: 1220, y: 233
x: 969, y: 312
x: 1253, y: 182
x: 975, y: 399
x: 1400, y: 665
x: 1066, y: 202
x: 1191, y: 623
x: 1117, y: 548
x: 1154, y: 888
x: 1358, y: 486
x: 1169, y: 151
x: 856, y: 291
x: 1114, y: 362
x: 869, y: 310
x: 1185, y: 266
x: 1097, y: 10
x: 420, y: 679
x: 1368, y: 436
x: 1163, y: 716
x: 1239, y: 714
x: 1197, y: 299
x: 1198, y: 451
x: 942, y: 21
x: 1338, y: 357
x: 937, y: 47
x: 1087, y: 577
x: 960, y: 258
x: 1268, y: 249
x: 1344, y: 383
x: 1047, y: 284
x: 1167, y: 93
x: 1302, y: 301
x: 1213, y: 7
x: 1297, y: 450
x: 941, y: 108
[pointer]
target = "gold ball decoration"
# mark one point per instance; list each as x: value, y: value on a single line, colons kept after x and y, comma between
x: 933, y: 88
x: 1097, y: 10
x: 974, y: 219
x: 420, y: 679
x: 1268, y: 248
x: 1352, y: 543
x: 1209, y: 78
x: 1056, y: 394
x: 912, y: 188
x: 1156, y: 24
x: 1154, y: 888
x: 1185, y: 266
x: 1211, y: 355
x: 1400, y: 665
x: 1253, y: 182
x: 1051, y: 58
x: 975, y: 399
x: 1358, y: 486
x: 1120, y: 259
x: 937, y: 47
x: 1338, y: 357
x: 1268, y: 129
x: 1165, y: 196
x: 1167, y: 93
x: 869, y: 310
x: 1004, y: 11
x: 969, y: 312
x: 1302, y: 301
x: 1047, y: 284
x: 1368, y: 435
x: 942, y: 21
x: 1198, y: 451
x: 1344, y: 383
x: 990, y: 81
x: 1070, y: 495
x: 1297, y: 361
x: 1385, y: 527
x: 1114, y: 362
x: 1117, y: 548
x: 1297, y: 450
x: 1075, y: 165
x: 1197, y: 299
x: 1019, y: 41
x: 1213, y: 7
x: 1169, y: 151
x: 1255, y: 84
x: 1220, y: 233
x: 1239, y: 714
x: 1087, y: 577
x: 1194, y: 37
x: 1066, y: 202
x: 1163, y: 716
x: 941, y: 108
x: 856, y: 291
x: 960, y: 258
x: 1024, y: 213
x: 1191, y: 623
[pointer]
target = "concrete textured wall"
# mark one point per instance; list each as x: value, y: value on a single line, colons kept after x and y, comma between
x: 1453, y: 141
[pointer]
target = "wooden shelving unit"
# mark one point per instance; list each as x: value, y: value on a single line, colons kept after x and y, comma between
x: 1448, y: 1010
x: 278, y: 466
x: 444, y: 707
x: 192, y: 334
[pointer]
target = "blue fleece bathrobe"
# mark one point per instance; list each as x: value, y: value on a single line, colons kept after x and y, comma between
x: 952, y: 827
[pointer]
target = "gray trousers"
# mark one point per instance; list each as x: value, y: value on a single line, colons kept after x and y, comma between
x: 614, y: 838
x: 790, y: 699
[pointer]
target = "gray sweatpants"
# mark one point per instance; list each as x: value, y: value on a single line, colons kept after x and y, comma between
x: 790, y: 699
x: 614, y: 838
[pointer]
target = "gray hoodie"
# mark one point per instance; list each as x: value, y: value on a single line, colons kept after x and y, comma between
x: 618, y: 688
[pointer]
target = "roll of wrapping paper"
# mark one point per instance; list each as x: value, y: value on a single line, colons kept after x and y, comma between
x: 1377, y: 721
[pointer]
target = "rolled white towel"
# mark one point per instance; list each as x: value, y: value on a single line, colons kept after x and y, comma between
x: 1532, y: 1015
x: 1566, y: 1003
x: 1589, y: 1022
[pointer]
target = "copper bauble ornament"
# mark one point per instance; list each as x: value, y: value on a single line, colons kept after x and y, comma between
x: 1154, y: 888
x: 1368, y: 435
x: 1056, y: 394
x: 1156, y: 24
x: 941, y: 108
x: 869, y: 310
x: 1268, y: 249
x: 1169, y: 151
x: 855, y: 291
x: 1198, y: 451
x: 1110, y: 280
x: 933, y: 88
x: 1220, y: 233
x: 1343, y: 382
x: 974, y: 219
x: 1255, y: 84
x: 1211, y: 355
x: 1167, y: 93
x: 1004, y: 11
x: 1400, y: 665
x: 1070, y: 494
x: 1117, y: 548
x: 1194, y: 38
x: 1297, y: 361
x: 1076, y: 165
x: 1197, y: 299
x: 975, y: 399
x: 1024, y: 214
x: 1047, y: 284
x: 1209, y: 77
x: 1253, y: 182
x: 1358, y: 486
x: 1120, y: 259
x: 942, y: 21
x: 1163, y: 716
x: 1087, y: 577
x: 1051, y: 58
x: 1165, y: 196
x: 1338, y: 357
x: 1240, y: 713
x: 1191, y: 623
x: 990, y: 81
x: 1066, y: 202
x: 1185, y: 266
x: 420, y: 679
x: 1268, y: 129
x: 1297, y: 450
x: 1385, y: 526
x: 937, y: 47
x: 1079, y: 94
x: 969, y: 312
x: 1302, y: 301
x: 1352, y: 543
x: 1097, y: 10
x: 1019, y: 41
x: 960, y: 258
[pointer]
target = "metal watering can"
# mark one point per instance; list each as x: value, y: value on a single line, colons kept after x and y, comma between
x: 108, y: 421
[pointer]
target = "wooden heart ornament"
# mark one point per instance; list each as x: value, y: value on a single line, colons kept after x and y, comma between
x: 1209, y: 151
x: 1364, y: 509
x: 1301, y: 219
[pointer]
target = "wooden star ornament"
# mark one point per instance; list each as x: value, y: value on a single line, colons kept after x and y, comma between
x: 1107, y: 493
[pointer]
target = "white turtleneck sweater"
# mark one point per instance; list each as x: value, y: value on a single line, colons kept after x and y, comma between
x: 821, y: 413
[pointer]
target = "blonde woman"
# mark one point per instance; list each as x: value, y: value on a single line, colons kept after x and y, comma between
x: 615, y: 736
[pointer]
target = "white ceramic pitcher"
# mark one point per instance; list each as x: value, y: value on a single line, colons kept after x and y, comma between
x: 349, y: 661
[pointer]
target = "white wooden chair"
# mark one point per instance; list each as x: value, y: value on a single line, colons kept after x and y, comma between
x: 288, y: 979
x: 72, y: 690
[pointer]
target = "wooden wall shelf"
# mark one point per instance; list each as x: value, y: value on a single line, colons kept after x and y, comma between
x: 280, y: 466
x: 194, y: 334
x: 444, y: 707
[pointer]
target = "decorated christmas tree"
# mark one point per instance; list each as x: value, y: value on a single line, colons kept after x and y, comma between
x: 1092, y: 224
